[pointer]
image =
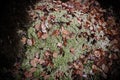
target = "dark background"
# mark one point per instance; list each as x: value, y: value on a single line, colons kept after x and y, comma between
x: 13, y: 15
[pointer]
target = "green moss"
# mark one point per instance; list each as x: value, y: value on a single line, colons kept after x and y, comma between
x: 50, y: 43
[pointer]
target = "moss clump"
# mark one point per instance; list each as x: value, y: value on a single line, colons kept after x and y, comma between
x: 57, y: 37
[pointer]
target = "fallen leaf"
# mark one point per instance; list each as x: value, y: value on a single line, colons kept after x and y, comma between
x: 82, y: 56
x: 100, y: 28
x: 91, y: 28
x: 35, y: 16
x: 65, y: 32
x: 56, y: 32
x: 113, y: 56
x: 41, y: 61
x: 27, y: 74
x: 31, y: 13
x: 61, y: 52
x: 23, y: 40
x: 84, y: 47
x: 46, y: 77
x: 43, y: 18
x: 84, y: 34
x: 59, y: 74
x: 76, y: 66
x: 32, y: 70
x: 51, y: 64
x: 43, y: 27
x: 43, y: 73
x: 95, y: 68
x: 64, y: 41
x: 98, y: 53
x: 52, y: 17
x: 114, y: 32
x: 87, y: 25
x: 37, y: 55
x: 60, y: 45
x: 105, y: 68
x: 37, y: 27
x: 33, y: 63
x: 78, y: 72
x: 17, y: 65
x: 104, y: 75
x: 64, y: 5
x: 48, y: 53
x: 72, y: 50
x: 55, y: 54
x: 44, y: 36
x: 39, y: 34
x: 45, y: 63
x: 29, y: 42
x: 39, y: 7
x: 114, y: 41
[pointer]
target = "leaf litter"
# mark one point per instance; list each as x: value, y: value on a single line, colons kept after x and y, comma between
x: 70, y: 40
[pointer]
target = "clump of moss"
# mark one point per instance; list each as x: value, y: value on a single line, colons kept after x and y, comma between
x: 55, y: 38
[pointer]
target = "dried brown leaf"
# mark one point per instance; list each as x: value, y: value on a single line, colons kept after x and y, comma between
x: 55, y: 54
x: 76, y: 66
x: 72, y: 50
x: 23, y: 40
x: 39, y: 34
x: 33, y: 63
x: 56, y: 32
x: 43, y: 18
x: 65, y: 32
x: 105, y: 68
x: 29, y: 42
x: 32, y: 70
x: 98, y: 53
x: 60, y: 45
x: 43, y: 27
x: 37, y: 27
x: 27, y: 74
x: 48, y: 53
x: 41, y: 61
x: 44, y: 36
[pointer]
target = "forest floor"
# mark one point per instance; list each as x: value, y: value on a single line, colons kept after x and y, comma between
x: 69, y: 41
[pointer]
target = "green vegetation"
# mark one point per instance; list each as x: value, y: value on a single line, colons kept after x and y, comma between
x: 63, y: 43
